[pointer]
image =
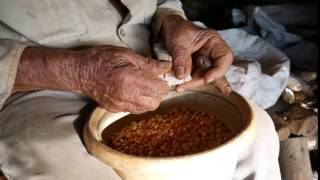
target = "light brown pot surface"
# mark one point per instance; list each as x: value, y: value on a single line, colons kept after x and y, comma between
x: 234, y: 110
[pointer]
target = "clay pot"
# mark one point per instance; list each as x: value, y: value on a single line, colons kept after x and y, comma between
x: 215, y: 163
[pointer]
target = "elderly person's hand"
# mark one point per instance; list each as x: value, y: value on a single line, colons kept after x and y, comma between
x: 115, y: 77
x: 186, y: 41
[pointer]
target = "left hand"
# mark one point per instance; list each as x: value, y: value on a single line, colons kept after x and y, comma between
x: 185, y: 40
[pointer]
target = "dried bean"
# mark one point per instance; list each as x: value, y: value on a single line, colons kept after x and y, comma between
x: 181, y: 131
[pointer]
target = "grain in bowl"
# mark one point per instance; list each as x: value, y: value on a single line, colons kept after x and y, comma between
x: 180, y: 131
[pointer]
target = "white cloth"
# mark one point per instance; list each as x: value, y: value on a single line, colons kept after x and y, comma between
x: 260, y: 71
x: 40, y: 141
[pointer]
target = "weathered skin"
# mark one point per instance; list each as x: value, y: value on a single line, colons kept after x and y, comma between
x: 185, y: 40
x: 119, y: 79
x: 115, y: 77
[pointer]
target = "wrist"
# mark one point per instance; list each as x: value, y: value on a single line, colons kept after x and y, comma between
x: 45, y: 68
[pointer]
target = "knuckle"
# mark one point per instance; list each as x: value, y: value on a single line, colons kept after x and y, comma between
x: 148, y: 63
x: 119, y: 92
x: 222, y: 49
x: 230, y: 57
x: 179, y: 53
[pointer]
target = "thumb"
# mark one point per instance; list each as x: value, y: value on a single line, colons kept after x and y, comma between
x: 182, y: 63
x: 156, y: 67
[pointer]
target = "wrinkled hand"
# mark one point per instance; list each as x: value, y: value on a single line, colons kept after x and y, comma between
x: 121, y: 80
x: 186, y: 41
x: 116, y: 78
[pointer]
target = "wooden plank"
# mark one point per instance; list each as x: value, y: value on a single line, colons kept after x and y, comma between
x: 294, y: 159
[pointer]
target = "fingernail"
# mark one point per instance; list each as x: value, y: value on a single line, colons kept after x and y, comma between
x: 164, y: 64
x: 180, y: 71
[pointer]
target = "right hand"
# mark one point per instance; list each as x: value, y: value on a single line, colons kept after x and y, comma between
x: 121, y: 80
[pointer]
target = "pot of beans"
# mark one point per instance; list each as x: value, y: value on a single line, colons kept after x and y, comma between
x: 192, y: 135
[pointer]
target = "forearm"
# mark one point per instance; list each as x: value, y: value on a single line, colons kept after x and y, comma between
x: 45, y: 68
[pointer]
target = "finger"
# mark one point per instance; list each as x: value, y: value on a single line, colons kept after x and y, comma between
x: 139, y: 83
x: 142, y: 104
x: 117, y: 105
x: 223, y: 86
x: 214, y: 46
x: 137, y: 111
x: 220, y: 67
x: 148, y: 103
x: 151, y: 86
x: 134, y: 108
x: 220, y: 54
x: 156, y: 67
x: 157, y: 88
x: 190, y: 85
x: 182, y: 63
x: 196, y: 81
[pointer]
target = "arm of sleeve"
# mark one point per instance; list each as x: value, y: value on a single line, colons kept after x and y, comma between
x: 10, y: 52
x: 165, y: 8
